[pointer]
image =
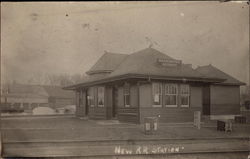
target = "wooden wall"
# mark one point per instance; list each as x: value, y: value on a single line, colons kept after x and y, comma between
x: 128, y: 114
x: 80, y: 103
x: 225, y: 100
x: 167, y: 114
x: 141, y: 105
x: 108, y: 101
x: 96, y: 112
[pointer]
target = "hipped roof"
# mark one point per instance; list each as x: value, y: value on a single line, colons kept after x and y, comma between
x: 107, y: 63
x: 141, y: 64
x: 213, y: 72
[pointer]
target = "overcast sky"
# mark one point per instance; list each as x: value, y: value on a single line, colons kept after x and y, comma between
x: 68, y: 37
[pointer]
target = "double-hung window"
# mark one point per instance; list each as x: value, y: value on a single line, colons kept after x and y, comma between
x: 126, y: 95
x: 184, y: 93
x: 171, y: 92
x: 100, y: 96
x: 157, y: 94
x: 90, y: 97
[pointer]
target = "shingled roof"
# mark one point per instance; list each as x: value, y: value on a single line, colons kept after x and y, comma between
x: 145, y: 62
x: 213, y: 72
x: 140, y: 64
x: 107, y: 63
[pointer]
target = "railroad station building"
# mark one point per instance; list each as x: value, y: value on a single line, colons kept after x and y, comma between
x: 149, y: 83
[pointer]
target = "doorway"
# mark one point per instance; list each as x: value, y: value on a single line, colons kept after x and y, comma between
x: 114, y: 102
x: 87, y: 104
x: 206, y: 100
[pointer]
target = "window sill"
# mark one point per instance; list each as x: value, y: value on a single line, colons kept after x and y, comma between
x: 127, y: 106
x: 184, y: 106
x: 171, y: 106
x: 101, y: 106
x: 156, y: 106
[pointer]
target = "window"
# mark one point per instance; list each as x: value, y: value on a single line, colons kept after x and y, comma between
x: 184, y: 88
x: 126, y: 95
x: 90, y: 100
x: 157, y: 94
x: 170, y: 95
x: 100, y: 96
x: 90, y: 97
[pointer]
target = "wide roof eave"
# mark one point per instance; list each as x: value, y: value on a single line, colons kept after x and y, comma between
x: 126, y: 76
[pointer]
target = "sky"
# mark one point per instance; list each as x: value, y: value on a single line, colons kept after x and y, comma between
x: 69, y: 37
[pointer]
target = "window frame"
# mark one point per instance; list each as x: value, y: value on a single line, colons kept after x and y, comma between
x: 91, y: 97
x: 102, y: 87
x: 166, y: 93
x: 91, y: 102
x: 126, y: 93
x: 160, y: 95
x: 188, y: 95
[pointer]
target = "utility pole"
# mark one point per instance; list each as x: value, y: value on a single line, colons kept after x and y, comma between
x: 248, y: 86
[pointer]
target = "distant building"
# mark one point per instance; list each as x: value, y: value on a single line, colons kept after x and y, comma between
x: 58, y: 97
x: 149, y: 83
x: 20, y: 97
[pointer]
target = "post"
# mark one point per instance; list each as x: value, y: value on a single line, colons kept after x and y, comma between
x: 197, y: 119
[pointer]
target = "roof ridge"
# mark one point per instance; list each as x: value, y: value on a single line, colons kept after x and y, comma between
x: 103, y: 64
x: 224, y: 72
x: 228, y: 76
x: 107, y: 52
x: 125, y: 58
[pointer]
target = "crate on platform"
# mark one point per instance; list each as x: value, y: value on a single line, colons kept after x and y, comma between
x: 150, y: 125
x: 224, y: 125
x: 240, y: 119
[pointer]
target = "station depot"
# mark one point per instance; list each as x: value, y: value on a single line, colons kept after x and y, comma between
x: 149, y: 83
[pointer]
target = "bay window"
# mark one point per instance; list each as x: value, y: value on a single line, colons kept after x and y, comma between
x: 184, y: 95
x: 171, y: 95
x: 157, y: 94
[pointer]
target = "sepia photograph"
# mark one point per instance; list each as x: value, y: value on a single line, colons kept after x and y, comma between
x: 125, y: 80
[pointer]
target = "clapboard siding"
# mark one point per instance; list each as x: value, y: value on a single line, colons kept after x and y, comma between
x: 108, y: 102
x: 80, y: 111
x: 178, y: 114
x: 120, y: 97
x: 195, y: 96
x: 80, y: 103
x: 128, y: 115
x: 246, y: 113
x: 225, y: 109
x: 169, y: 114
x: 97, y: 113
x: 225, y: 100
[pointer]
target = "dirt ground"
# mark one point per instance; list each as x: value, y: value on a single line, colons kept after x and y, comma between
x: 71, y: 128
x: 74, y: 137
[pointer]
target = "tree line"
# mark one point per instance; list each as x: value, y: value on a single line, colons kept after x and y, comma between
x: 51, y: 79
